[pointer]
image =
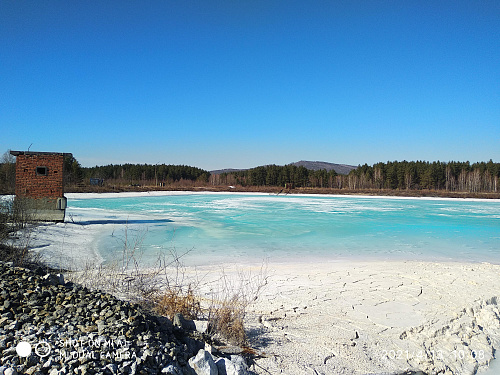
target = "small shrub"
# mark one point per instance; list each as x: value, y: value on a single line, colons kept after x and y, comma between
x: 176, y: 300
x: 225, y: 319
x: 15, y: 234
x: 230, y: 301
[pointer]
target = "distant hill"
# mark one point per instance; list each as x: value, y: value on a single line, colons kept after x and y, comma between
x: 313, y: 165
x: 318, y: 165
x: 227, y: 170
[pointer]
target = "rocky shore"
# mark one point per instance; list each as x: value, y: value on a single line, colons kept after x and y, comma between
x: 51, y: 327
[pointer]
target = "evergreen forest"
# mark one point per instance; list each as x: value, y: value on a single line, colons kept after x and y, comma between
x: 404, y: 175
x: 137, y: 174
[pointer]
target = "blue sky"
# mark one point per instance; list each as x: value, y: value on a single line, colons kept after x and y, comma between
x: 220, y: 84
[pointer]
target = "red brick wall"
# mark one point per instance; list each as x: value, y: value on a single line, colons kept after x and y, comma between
x: 29, y: 184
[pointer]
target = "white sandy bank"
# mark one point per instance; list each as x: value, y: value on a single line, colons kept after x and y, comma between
x: 381, y: 317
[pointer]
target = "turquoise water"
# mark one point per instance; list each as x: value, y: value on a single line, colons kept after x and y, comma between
x: 237, y: 227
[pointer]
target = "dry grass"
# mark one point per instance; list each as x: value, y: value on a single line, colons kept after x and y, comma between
x: 230, y: 298
x: 226, y: 320
x: 173, y: 301
x: 224, y: 305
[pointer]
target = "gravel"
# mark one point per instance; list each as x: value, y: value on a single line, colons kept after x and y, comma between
x: 51, y: 327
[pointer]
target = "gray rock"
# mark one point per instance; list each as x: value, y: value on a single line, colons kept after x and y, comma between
x: 192, y: 346
x: 82, y: 370
x: 48, y: 363
x: 223, y: 365
x: 14, y: 326
x: 230, y: 350
x: 181, y: 322
x: 171, y: 370
x: 10, y: 371
x: 239, y: 361
x: 201, y: 325
x: 46, y: 309
x: 54, y: 280
x: 133, y: 368
x: 100, y: 327
x: 31, y: 370
x: 234, y: 366
x: 113, y: 368
x: 203, y: 364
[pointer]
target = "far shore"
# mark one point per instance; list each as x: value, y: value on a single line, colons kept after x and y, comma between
x: 283, y: 191
x: 149, y: 193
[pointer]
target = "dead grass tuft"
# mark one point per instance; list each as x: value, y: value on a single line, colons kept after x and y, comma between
x: 230, y: 300
x: 176, y: 300
x: 226, y: 319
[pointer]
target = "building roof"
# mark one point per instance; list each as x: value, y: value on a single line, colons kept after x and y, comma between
x: 16, y: 153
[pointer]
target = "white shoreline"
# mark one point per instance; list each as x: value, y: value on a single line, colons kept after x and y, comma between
x: 171, y: 193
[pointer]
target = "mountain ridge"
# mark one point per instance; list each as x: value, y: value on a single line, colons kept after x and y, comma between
x: 312, y: 165
x: 318, y: 165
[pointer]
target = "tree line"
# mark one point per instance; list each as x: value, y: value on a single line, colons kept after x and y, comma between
x: 137, y: 173
x: 7, y: 173
x: 404, y: 175
x: 418, y: 175
x: 74, y: 173
x: 274, y: 175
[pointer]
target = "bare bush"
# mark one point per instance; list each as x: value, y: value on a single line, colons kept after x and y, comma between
x: 229, y: 303
x: 16, y: 226
x: 166, y: 289
x: 126, y: 276
x: 226, y: 319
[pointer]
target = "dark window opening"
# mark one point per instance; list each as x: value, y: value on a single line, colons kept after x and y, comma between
x: 42, y: 171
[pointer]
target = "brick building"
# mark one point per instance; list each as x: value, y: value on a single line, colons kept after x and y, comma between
x: 40, y: 184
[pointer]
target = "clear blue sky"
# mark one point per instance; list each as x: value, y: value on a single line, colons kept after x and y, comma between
x: 219, y: 84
